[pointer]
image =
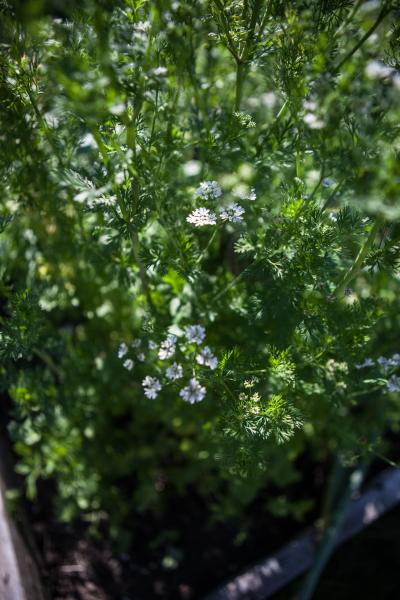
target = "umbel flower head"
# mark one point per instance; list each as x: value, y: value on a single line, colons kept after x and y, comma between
x: 202, y: 216
x: 195, y: 334
x: 128, y: 364
x: 393, y: 384
x: 206, y: 358
x: 208, y: 190
x: 175, y: 371
x: 167, y: 347
x: 231, y: 212
x: 151, y: 387
x: 122, y: 350
x: 194, y: 392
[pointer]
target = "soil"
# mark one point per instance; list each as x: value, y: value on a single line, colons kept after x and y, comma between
x: 77, y: 566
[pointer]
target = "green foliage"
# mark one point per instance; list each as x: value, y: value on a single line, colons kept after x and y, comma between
x: 113, y: 114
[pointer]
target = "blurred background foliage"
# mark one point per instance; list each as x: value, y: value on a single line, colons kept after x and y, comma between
x: 112, y: 113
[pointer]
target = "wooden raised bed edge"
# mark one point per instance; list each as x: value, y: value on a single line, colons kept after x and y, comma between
x: 19, y: 575
x: 270, y: 575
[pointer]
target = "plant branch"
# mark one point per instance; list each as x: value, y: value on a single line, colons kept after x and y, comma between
x: 383, y: 13
x: 356, y: 267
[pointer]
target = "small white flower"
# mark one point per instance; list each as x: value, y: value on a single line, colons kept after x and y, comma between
x: 395, y: 360
x: 209, y: 190
x: 310, y: 105
x: 128, y: 364
x: 268, y: 99
x: 313, y: 122
x: 122, y: 350
x: 194, y: 392
x: 175, y: 371
x: 201, y: 216
x: 232, y: 212
x: 136, y: 343
x: 151, y: 387
x: 159, y: 72
x: 376, y: 69
x: 368, y: 362
x: 192, y: 168
x: 393, y: 384
x: 383, y: 362
x: 252, y: 196
x: 206, y: 357
x: 152, y: 345
x: 195, y: 334
x: 141, y: 357
x: 167, y: 347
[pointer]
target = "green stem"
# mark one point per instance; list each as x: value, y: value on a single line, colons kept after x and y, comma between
x: 142, y: 270
x: 353, y: 480
x: 47, y: 359
x: 235, y: 280
x: 210, y: 241
x: 356, y: 267
x: 298, y: 163
x: 384, y: 11
x: 240, y: 74
x: 349, y: 18
x: 101, y: 146
x: 229, y: 391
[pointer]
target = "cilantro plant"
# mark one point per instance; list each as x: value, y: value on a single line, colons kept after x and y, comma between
x: 200, y: 243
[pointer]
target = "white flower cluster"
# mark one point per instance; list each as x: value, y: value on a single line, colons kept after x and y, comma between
x: 195, y: 334
x: 202, y: 216
x: 190, y: 345
x: 393, y: 383
x: 174, y: 372
x: 231, y: 212
x: 206, y: 357
x: 151, y: 386
x: 252, y: 196
x: 310, y: 118
x: 194, y: 392
x: 167, y: 347
x: 123, y: 350
x: 382, y: 361
x: 376, y: 69
x: 210, y: 190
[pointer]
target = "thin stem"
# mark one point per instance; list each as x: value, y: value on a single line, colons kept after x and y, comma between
x: 318, y: 184
x: 230, y: 393
x: 332, y: 195
x: 235, y: 280
x: 43, y: 123
x: 384, y: 11
x: 210, y: 241
x: 298, y: 163
x: 240, y: 74
x: 356, y: 267
x: 46, y: 358
x: 101, y: 146
x: 349, y: 18
x: 142, y: 270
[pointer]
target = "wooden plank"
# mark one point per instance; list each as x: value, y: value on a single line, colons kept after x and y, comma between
x: 270, y: 575
x: 19, y: 575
